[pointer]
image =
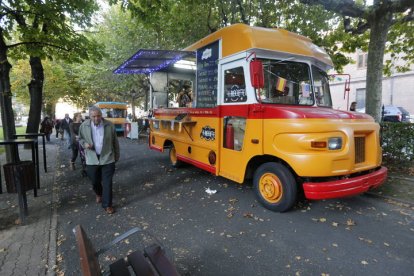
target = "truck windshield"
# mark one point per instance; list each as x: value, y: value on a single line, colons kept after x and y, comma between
x: 321, y: 87
x: 113, y: 113
x: 288, y: 82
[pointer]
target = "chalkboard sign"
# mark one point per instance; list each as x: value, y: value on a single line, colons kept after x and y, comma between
x: 207, y: 71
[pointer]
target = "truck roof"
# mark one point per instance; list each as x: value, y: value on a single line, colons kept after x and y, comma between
x: 240, y: 37
x: 111, y: 105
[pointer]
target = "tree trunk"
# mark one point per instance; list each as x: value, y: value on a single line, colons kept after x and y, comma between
x: 378, y: 37
x: 7, y: 116
x: 36, y: 92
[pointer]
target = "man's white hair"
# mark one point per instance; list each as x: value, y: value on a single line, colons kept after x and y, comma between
x: 95, y: 108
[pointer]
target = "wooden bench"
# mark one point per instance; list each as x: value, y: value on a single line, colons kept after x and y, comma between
x: 151, y: 261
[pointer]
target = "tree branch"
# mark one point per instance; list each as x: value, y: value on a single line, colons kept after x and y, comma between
x: 409, y: 17
x: 343, y: 7
x: 38, y: 43
x: 223, y: 14
x: 242, y: 13
x: 210, y: 28
x: 402, y: 5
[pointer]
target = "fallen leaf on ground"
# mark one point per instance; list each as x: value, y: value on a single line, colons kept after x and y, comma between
x: 233, y: 200
x: 350, y: 222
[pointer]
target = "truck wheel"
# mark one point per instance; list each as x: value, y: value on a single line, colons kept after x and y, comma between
x: 275, y: 187
x: 173, y: 158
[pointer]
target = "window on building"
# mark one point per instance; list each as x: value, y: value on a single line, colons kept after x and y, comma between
x: 360, y: 99
x: 362, y: 59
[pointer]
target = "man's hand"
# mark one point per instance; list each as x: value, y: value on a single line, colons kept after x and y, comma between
x: 88, y: 146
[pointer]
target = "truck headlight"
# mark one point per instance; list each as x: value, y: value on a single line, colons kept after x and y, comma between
x: 335, y: 143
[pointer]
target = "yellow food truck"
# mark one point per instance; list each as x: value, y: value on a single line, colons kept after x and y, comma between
x: 116, y: 112
x: 261, y: 110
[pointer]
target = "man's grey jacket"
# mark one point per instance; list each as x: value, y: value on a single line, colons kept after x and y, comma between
x: 110, y: 148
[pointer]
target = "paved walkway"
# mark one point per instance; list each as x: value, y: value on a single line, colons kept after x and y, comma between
x: 30, y: 249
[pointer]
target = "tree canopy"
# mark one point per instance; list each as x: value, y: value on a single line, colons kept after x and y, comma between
x: 36, y: 30
x: 385, y: 26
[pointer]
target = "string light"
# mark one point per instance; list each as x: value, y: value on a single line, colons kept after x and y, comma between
x: 153, y: 56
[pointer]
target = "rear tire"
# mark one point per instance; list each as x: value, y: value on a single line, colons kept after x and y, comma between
x: 275, y: 187
x: 173, y: 158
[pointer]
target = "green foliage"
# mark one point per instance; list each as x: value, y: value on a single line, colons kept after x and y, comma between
x: 181, y: 23
x: 50, y: 29
x: 120, y: 37
x: 59, y: 83
x: 19, y: 130
x: 397, y: 141
x: 400, y: 47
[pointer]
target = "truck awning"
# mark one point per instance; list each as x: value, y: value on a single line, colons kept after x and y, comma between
x: 147, y: 61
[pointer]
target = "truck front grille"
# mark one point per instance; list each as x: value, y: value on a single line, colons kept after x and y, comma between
x: 359, y: 150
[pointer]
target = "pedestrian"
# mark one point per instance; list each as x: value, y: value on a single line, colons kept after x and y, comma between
x: 74, y: 136
x: 57, y: 127
x: 46, y: 127
x: 183, y: 98
x: 98, y: 137
x: 64, y: 126
x: 352, y: 107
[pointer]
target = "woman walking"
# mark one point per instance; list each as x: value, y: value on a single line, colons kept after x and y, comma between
x: 74, y: 135
x: 46, y: 126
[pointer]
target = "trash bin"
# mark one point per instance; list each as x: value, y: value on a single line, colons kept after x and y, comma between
x: 23, y: 170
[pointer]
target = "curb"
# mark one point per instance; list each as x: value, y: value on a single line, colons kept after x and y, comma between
x: 409, y: 203
x: 402, y: 178
x: 51, y: 263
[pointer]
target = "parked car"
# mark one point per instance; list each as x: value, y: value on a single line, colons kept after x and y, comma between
x: 395, y: 114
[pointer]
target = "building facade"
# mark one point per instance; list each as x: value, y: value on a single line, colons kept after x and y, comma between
x: 397, y: 90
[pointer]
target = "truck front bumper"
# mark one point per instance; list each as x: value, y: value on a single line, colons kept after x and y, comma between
x: 345, y: 187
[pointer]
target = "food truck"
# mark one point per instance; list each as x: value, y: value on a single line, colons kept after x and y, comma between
x: 116, y: 112
x: 261, y: 111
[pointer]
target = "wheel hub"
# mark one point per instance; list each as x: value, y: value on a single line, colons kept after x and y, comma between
x: 271, y: 187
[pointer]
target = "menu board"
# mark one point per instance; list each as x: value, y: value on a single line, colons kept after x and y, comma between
x: 207, y: 71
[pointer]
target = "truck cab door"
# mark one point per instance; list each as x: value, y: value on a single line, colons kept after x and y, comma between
x: 238, y: 130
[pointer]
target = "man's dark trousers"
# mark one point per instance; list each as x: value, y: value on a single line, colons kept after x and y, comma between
x: 101, y: 177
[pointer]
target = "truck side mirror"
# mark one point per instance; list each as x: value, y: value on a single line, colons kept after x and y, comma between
x: 256, y: 74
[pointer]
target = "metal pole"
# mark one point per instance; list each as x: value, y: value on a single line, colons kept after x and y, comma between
x: 150, y: 78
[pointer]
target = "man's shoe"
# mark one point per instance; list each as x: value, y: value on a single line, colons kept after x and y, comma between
x: 98, y: 199
x: 109, y: 210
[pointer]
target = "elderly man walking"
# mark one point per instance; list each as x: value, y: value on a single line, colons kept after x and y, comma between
x: 98, y: 137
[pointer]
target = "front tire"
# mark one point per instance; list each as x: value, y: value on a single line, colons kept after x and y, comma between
x: 275, y: 187
x: 173, y: 158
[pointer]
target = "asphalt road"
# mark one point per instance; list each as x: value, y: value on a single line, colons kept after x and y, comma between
x: 229, y: 233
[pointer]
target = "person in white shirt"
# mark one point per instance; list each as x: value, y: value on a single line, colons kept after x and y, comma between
x: 98, y: 137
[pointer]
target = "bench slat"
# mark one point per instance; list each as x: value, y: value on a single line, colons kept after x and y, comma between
x: 119, y: 268
x: 139, y: 264
x: 89, y: 261
x: 158, y: 259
